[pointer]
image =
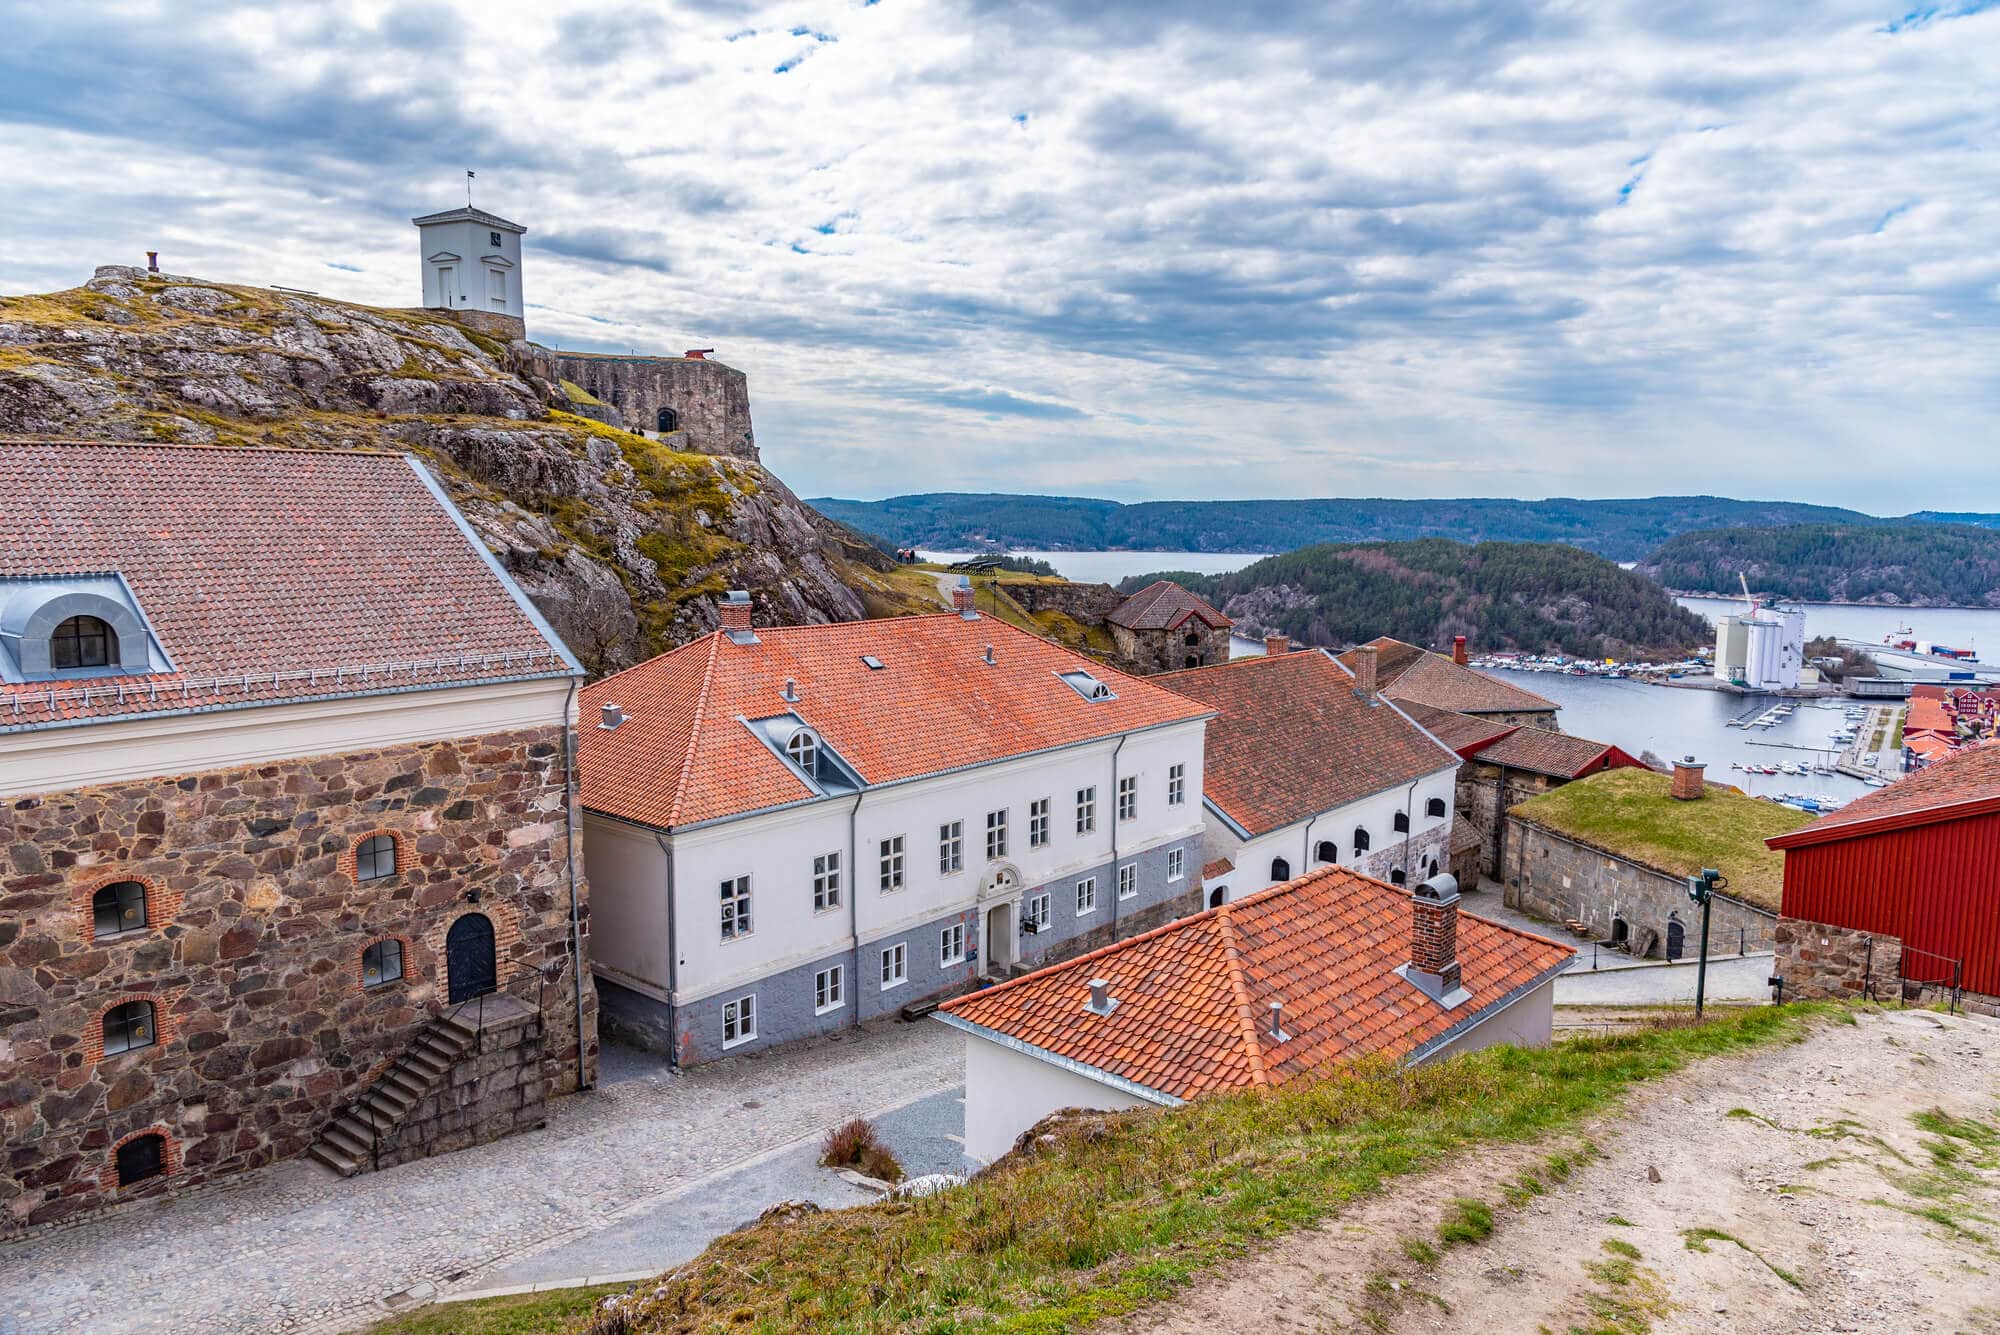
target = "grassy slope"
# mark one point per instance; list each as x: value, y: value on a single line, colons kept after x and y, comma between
x: 1628, y: 812
x: 522, y: 1314
x: 1123, y: 1211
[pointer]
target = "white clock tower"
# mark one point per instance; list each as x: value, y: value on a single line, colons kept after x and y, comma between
x: 471, y: 261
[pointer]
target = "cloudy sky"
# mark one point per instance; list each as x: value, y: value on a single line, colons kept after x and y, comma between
x: 1127, y: 248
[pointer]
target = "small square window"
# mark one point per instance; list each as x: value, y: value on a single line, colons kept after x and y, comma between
x: 1128, y: 880
x: 116, y: 908
x: 382, y: 963
x: 129, y: 1026
x: 895, y: 966
x: 739, y: 1020
x: 736, y: 919
x: 951, y: 945
x: 826, y: 882
x: 140, y: 1158
x: 826, y: 990
x: 1176, y: 864
x: 1086, y: 896
x: 1038, y: 822
x: 375, y: 857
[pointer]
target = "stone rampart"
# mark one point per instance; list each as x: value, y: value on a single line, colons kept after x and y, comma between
x: 690, y: 403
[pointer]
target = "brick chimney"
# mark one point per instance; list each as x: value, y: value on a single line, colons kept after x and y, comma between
x: 1458, y: 650
x: 1433, y: 967
x: 1277, y: 646
x: 961, y: 598
x: 735, y: 611
x: 1687, y: 780
x: 1364, y: 672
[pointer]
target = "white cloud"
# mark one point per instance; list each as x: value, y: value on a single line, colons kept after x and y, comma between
x: 1231, y: 249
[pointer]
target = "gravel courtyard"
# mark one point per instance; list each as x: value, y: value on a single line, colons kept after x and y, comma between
x: 293, y: 1248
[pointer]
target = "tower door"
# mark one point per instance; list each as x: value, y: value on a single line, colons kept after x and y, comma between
x: 448, y: 286
x: 1676, y: 939
x: 468, y: 957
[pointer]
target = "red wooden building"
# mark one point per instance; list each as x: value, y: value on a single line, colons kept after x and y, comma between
x: 1918, y: 861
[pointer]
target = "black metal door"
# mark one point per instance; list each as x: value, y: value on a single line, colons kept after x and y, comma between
x: 1676, y: 940
x: 468, y: 957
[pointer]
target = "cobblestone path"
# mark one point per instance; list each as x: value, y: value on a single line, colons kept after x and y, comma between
x: 292, y: 1248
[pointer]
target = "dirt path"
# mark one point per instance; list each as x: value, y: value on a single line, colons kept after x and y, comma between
x: 1787, y: 1188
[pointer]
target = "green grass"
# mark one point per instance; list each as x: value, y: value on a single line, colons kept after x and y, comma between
x: 1628, y: 812
x: 1123, y: 1210
x: 1697, y: 1240
x: 1620, y: 1247
x: 522, y: 1314
x: 1468, y: 1220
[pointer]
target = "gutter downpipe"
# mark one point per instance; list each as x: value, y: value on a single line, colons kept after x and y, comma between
x: 854, y: 912
x: 570, y: 745
x: 1306, y: 860
x: 673, y: 965
x: 1114, y: 836
x: 1409, y: 826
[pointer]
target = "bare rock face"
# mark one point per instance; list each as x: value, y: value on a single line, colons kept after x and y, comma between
x: 624, y: 543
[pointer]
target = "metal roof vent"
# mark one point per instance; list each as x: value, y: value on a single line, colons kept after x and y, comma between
x: 1277, y: 1030
x: 610, y: 716
x: 989, y: 659
x: 871, y: 662
x: 1101, y: 1001
x: 791, y: 691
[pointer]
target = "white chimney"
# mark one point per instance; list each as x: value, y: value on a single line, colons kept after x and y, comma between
x: 610, y: 716
x: 1101, y: 1001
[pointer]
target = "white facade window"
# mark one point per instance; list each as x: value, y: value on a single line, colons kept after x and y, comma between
x: 951, y: 847
x: 1128, y: 797
x: 1176, y: 864
x: 826, y: 882
x: 1086, y: 810
x: 826, y: 990
x: 1434, y: 808
x: 739, y: 1020
x: 1128, y: 880
x: 803, y: 748
x: 1035, y: 912
x: 1086, y: 896
x: 895, y: 966
x: 951, y: 944
x: 892, y: 865
x: 996, y: 834
x: 1176, y: 785
x: 735, y: 907
x: 1038, y: 823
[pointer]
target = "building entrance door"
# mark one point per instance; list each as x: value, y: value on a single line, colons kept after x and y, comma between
x: 1003, y: 947
x: 468, y: 957
x: 448, y: 286
x: 1676, y: 939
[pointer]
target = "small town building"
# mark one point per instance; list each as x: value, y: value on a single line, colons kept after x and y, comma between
x: 1611, y: 853
x: 1412, y: 676
x: 799, y: 828
x: 471, y: 262
x: 284, y: 764
x: 1307, y: 768
x: 1164, y: 627
x: 1898, y: 892
x: 1285, y: 984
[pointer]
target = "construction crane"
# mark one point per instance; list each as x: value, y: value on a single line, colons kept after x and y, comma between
x: 1752, y: 602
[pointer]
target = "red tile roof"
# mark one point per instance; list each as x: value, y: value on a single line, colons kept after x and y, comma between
x: 1164, y: 605
x: 1407, y: 673
x: 1463, y: 733
x: 1194, y: 996
x: 1964, y: 783
x: 683, y: 754
x: 255, y: 564
x: 1556, y: 754
x: 1293, y: 740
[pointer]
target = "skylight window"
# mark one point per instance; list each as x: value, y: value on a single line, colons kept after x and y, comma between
x: 871, y: 662
x: 1087, y: 686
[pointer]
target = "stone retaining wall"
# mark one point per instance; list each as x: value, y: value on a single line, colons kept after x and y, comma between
x: 1817, y: 960
x: 711, y: 401
x: 1088, y: 603
x: 495, y: 1090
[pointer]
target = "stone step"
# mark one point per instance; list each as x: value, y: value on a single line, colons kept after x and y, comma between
x: 429, y: 1063
x: 438, y: 1048
x: 455, y: 1031
x: 349, y: 1135
x: 334, y: 1159
x: 405, y: 1082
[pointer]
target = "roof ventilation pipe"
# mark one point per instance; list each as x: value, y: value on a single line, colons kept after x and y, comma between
x: 990, y: 660
x: 1101, y: 1001
x: 610, y: 717
x: 791, y: 691
x: 1277, y: 1030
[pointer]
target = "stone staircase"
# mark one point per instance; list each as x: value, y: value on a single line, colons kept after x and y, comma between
x: 472, y: 1074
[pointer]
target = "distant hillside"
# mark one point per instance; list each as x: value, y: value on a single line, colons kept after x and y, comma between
x: 1914, y: 565
x: 1538, y: 597
x: 1623, y: 530
x: 1956, y: 517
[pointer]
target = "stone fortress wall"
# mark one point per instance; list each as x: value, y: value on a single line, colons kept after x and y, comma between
x: 709, y: 402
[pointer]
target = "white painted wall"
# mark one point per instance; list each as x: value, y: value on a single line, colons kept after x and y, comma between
x: 477, y: 258
x: 1528, y: 1023
x: 628, y: 929
x: 116, y: 751
x: 776, y: 851
x: 1376, y: 813
x: 1006, y: 1092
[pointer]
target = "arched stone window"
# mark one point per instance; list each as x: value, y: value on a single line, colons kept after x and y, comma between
x: 382, y: 963
x: 83, y: 642
x: 1362, y: 843
x: 375, y: 857
x: 1326, y: 852
x: 1281, y: 870
x: 1397, y: 877
x: 118, y: 907
x: 1402, y: 822
x: 1193, y: 638
x: 128, y: 1027
x: 1434, y: 807
x: 1218, y: 896
x: 141, y: 1157
x: 1191, y: 661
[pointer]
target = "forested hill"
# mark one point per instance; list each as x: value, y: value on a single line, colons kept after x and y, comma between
x: 1538, y: 597
x: 1623, y: 530
x: 1915, y: 565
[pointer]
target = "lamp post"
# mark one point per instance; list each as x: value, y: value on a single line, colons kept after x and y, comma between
x: 1701, y: 889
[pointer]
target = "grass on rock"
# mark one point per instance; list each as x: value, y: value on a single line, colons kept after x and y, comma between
x: 1123, y: 1209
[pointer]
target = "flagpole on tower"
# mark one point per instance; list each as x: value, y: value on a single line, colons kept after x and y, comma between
x: 468, y: 189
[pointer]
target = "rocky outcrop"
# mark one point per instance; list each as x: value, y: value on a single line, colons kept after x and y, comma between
x: 623, y: 541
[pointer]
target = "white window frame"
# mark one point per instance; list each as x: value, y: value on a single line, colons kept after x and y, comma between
x: 996, y: 834
x: 895, y: 965
x: 1176, y: 785
x: 1177, y: 864
x: 951, y: 848
x: 1035, y: 909
x: 733, y: 1015
x: 1086, y: 810
x: 1128, y: 797
x: 1086, y: 896
x: 951, y: 945
x: 1128, y: 880
x: 737, y: 908
x: 892, y: 864
x: 827, y: 990
x: 826, y: 882
x: 1038, y: 823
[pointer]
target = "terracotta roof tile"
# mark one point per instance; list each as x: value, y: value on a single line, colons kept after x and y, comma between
x: 254, y: 563
x: 1463, y: 733
x: 1293, y: 740
x: 1193, y: 996
x: 684, y: 754
x: 1962, y: 783
x: 1163, y: 605
x: 1407, y: 673
x: 1556, y: 754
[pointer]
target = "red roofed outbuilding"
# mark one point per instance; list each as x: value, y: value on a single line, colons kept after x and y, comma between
x: 1164, y: 627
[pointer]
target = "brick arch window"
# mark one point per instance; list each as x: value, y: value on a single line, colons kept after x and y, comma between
x: 376, y: 855
x: 384, y: 962
x: 130, y: 1025
x: 147, y: 1155
x: 124, y: 905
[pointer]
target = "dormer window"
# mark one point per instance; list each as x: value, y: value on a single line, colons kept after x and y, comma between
x: 1085, y: 685
x: 83, y: 642
x: 803, y: 748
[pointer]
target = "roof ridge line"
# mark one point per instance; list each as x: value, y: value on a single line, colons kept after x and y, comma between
x: 1239, y: 989
x: 85, y: 442
x: 694, y: 728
